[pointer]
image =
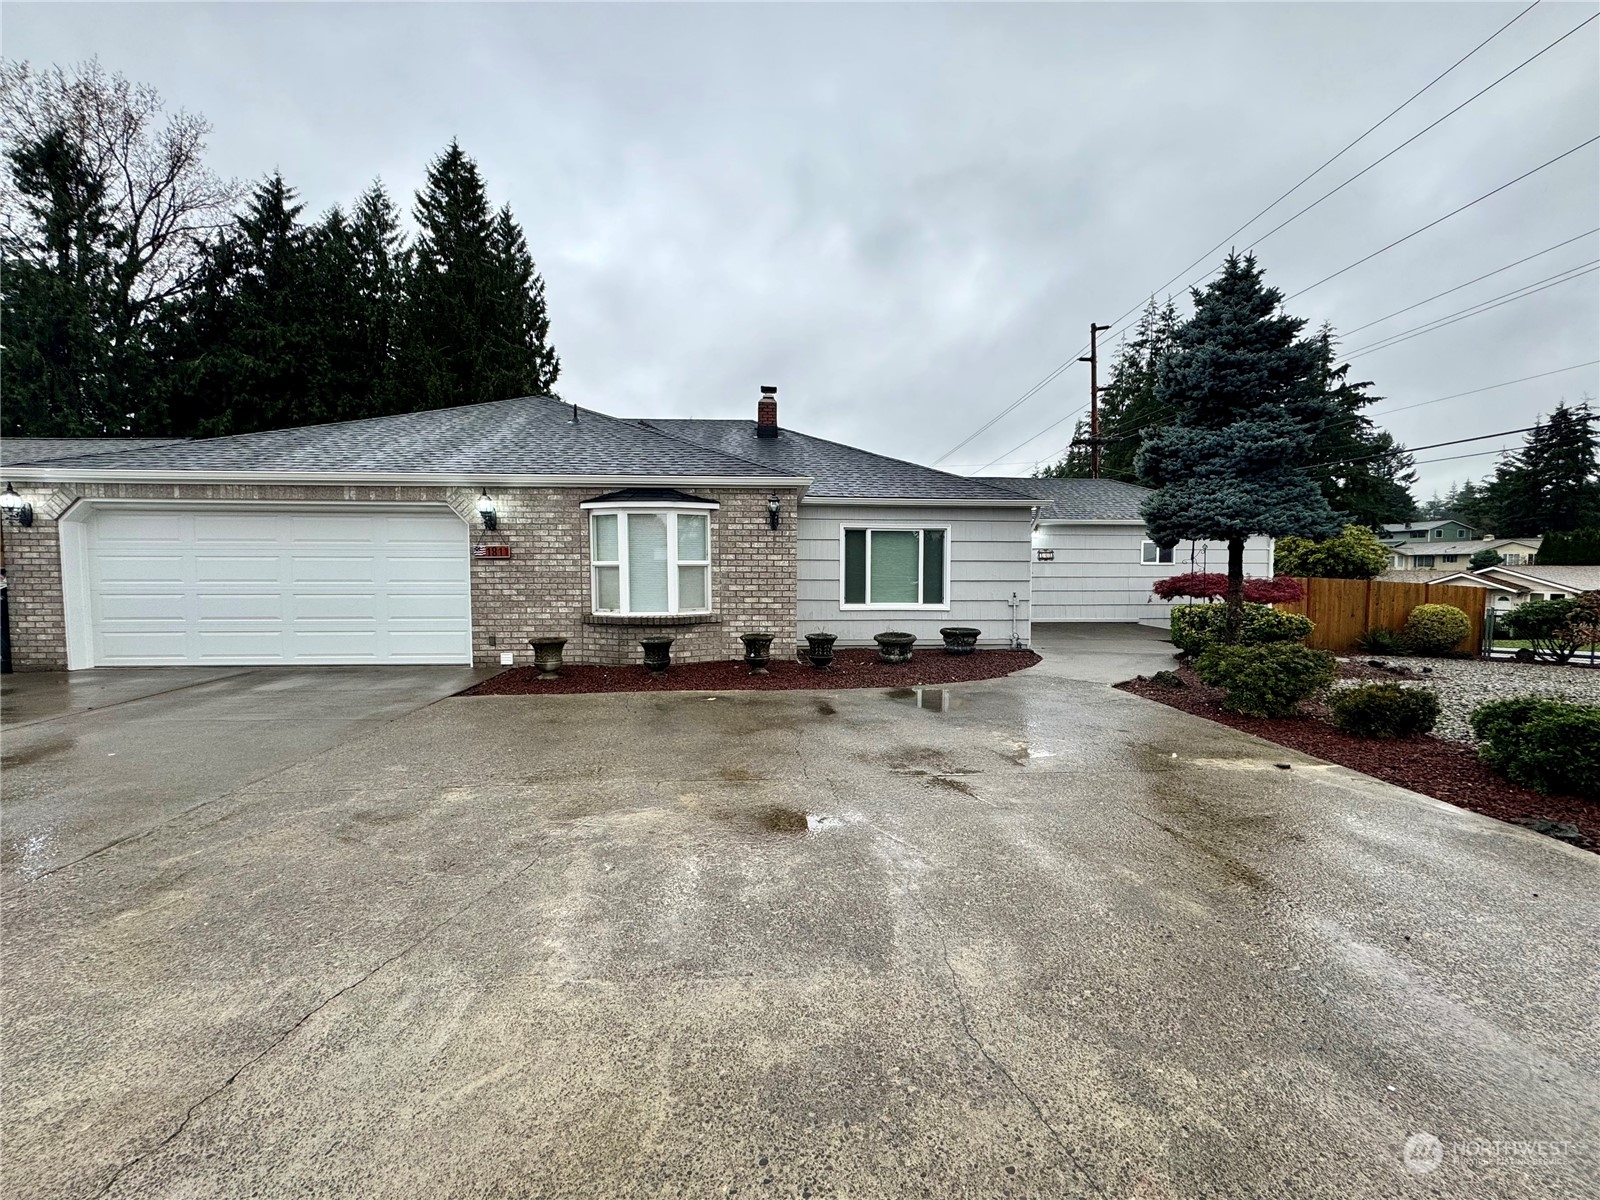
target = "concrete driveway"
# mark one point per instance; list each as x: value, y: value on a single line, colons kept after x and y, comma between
x: 314, y: 935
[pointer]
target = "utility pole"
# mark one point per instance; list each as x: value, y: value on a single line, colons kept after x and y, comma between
x: 1093, y: 359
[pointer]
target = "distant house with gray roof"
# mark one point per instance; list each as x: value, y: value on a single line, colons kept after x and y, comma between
x: 455, y: 535
x: 1093, y: 560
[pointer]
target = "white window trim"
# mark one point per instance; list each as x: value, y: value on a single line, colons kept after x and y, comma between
x: 1156, y: 562
x: 895, y: 527
x: 654, y: 509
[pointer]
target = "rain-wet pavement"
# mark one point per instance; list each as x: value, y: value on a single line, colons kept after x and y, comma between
x: 1030, y: 937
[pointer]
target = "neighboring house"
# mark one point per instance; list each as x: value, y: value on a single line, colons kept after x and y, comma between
x: 1458, y: 555
x: 1509, y: 587
x: 455, y: 535
x: 1409, y: 533
x: 1093, y: 560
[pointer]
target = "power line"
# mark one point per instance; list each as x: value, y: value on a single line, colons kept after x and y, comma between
x: 1446, y: 217
x: 1470, y: 282
x: 1489, y: 87
x: 1488, y: 388
x: 1476, y: 310
x: 1061, y: 367
x: 1341, y: 152
x: 1482, y: 437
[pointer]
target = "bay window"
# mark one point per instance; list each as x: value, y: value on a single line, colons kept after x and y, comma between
x: 895, y: 567
x: 650, y: 562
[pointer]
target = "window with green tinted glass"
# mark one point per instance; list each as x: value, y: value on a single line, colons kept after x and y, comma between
x: 894, y: 568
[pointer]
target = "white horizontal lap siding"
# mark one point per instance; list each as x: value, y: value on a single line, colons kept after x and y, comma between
x: 989, y: 555
x: 1098, y: 573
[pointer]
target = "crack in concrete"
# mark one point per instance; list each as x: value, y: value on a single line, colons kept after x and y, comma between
x: 965, y: 1014
x: 322, y: 1004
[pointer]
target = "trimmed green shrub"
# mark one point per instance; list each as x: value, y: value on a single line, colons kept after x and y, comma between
x: 1355, y: 553
x: 1196, y: 626
x: 1549, y: 745
x: 1380, y: 641
x: 1555, y: 629
x: 1487, y: 557
x: 1384, y: 710
x: 1435, y: 628
x: 1267, y: 680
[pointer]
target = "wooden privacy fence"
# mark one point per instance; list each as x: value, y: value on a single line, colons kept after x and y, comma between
x: 1344, y: 609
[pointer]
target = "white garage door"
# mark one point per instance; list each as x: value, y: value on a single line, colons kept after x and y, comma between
x: 277, y: 585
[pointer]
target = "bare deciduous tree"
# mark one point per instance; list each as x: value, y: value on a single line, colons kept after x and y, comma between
x: 163, y: 201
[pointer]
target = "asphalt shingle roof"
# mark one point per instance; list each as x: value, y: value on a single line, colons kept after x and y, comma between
x: 17, y: 450
x: 837, y: 470
x: 1080, y: 499
x: 1411, y: 549
x: 532, y: 435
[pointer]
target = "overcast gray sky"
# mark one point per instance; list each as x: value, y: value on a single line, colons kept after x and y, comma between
x: 905, y: 216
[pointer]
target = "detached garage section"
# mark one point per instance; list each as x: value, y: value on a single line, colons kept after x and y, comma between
x: 1093, y: 560
x: 252, y: 584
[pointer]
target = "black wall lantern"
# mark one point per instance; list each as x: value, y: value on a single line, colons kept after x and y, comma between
x: 486, y: 511
x: 774, y: 510
x: 18, y: 511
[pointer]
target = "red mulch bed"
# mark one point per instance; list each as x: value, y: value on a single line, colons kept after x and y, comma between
x: 853, y: 668
x: 1449, y: 771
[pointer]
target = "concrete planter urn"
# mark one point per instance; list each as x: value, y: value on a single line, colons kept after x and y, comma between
x: 757, y: 651
x: 657, y: 652
x: 959, y: 639
x: 819, y: 649
x: 894, y: 647
x: 547, y: 655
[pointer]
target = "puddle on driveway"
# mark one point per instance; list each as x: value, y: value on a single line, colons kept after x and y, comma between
x: 932, y: 699
x: 777, y: 818
x: 37, y: 752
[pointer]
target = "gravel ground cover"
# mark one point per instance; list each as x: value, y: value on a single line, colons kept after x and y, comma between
x: 1464, y: 683
x: 1446, y: 770
x: 852, y: 668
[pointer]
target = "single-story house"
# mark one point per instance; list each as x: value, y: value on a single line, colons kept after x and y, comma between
x: 1457, y: 555
x: 1509, y: 587
x: 1093, y: 560
x: 1411, y: 532
x: 456, y: 535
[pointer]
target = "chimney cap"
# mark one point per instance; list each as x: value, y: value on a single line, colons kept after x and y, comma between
x: 769, y: 389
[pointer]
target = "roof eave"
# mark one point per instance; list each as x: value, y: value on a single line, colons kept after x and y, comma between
x: 49, y: 473
x: 921, y: 501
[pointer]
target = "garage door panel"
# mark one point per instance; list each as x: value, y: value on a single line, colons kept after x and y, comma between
x: 278, y: 586
x: 337, y: 606
x: 415, y: 569
x: 321, y: 529
x: 145, y: 570
x: 145, y: 606
x: 236, y: 528
x: 257, y: 568
x: 429, y: 606
x: 332, y: 569
x: 142, y: 528
x: 239, y: 606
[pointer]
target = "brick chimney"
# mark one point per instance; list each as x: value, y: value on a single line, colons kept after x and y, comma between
x: 767, y: 413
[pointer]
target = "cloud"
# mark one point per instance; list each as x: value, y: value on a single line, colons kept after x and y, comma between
x: 905, y: 216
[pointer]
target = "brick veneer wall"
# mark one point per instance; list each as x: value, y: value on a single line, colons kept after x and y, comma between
x: 542, y: 590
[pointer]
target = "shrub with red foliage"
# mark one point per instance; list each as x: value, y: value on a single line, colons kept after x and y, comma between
x: 1211, y: 585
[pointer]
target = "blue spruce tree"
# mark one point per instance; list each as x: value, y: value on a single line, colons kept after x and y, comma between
x: 1248, y: 405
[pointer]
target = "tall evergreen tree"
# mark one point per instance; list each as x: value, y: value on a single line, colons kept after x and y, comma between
x: 56, y: 291
x: 1248, y: 406
x: 475, y: 325
x: 1552, y: 484
x: 248, y: 348
x: 1362, y: 471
